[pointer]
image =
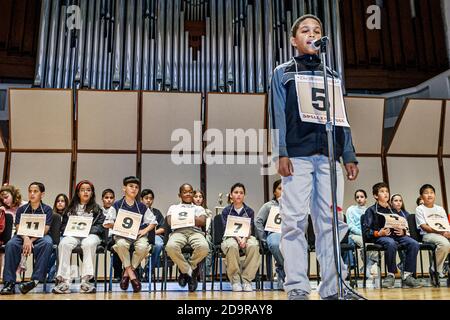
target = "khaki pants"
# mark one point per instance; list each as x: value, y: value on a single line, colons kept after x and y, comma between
x: 230, y: 248
x: 141, y: 250
x: 442, y: 248
x: 179, y: 239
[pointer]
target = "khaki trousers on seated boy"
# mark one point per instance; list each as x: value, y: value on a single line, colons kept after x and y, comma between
x: 179, y: 239
x: 141, y: 250
x: 230, y: 248
x: 442, y: 248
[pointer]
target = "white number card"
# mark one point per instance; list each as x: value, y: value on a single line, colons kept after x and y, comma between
x: 437, y: 221
x: 273, y: 223
x: 78, y: 226
x: 183, y: 218
x: 396, y: 221
x: 127, y: 224
x: 32, y: 225
x: 311, y: 100
x: 237, y: 226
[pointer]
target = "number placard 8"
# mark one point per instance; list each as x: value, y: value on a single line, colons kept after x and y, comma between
x: 32, y: 225
x: 78, y: 226
x: 183, y: 218
x: 237, y: 227
x: 127, y: 224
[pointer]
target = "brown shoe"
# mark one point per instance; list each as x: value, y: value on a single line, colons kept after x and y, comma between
x: 136, y: 284
x: 124, y: 282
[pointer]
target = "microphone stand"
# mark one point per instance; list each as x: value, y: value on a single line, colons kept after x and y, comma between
x: 333, y: 172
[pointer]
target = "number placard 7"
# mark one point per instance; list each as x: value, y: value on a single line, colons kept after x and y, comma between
x: 237, y: 226
x: 127, y: 224
x: 32, y: 225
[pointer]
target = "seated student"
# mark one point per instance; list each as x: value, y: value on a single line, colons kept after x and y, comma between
x: 59, y: 206
x: 241, y: 280
x: 122, y: 246
x: 10, y: 199
x: 22, y: 246
x: 200, y: 200
x: 353, y: 215
x: 373, y: 228
x: 271, y: 240
x: 398, y: 206
x: 147, y: 198
x: 82, y: 204
x: 431, y: 231
x: 193, y: 235
x: 108, y: 198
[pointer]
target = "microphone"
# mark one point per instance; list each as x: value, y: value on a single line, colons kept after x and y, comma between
x: 316, y: 45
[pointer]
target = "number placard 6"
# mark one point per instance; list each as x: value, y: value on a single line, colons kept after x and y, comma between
x: 78, y: 226
x: 273, y: 223
x: 32, y: 225
x: 237, y: 226
x: 127, y: 224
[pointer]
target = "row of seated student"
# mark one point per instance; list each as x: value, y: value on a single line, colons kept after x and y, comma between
x: 83, y: 204
x: 431, y: 221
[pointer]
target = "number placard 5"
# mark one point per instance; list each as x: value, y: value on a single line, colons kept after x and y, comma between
x: 78, y: 226
x: 273, y: 223
x: 237, y: 226
x: 32, y: 225
x: 127, y: 224
x: 312, y: 103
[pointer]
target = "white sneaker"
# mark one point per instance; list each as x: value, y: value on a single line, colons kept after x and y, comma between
x: 247, y: 287
x: 236, y: 287
x: 62, y: 288
x: 87, y: 287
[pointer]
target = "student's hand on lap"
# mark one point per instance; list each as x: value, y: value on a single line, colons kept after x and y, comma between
x: 385, y: 232
x: 285, y: 167
x: 352, y: 171
x: 141, y: 233
x: 446, y: 234
x: 27, y: 246
x: 399, y: 232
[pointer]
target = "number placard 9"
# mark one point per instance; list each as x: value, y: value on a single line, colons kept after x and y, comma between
x: 127, y: 224
x: 32, y: 225
x: 237, y: 226
x: 273, y: 223
x: 78, y: 226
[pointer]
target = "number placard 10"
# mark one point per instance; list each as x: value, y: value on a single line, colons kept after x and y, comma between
x: 237, y: 226
x: 127, y: 224
x: 273, y: 223
x: 32, y: 225
x: 78, y: 226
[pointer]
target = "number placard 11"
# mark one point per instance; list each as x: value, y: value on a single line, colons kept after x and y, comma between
x: 78, y: 226
x: 32, y: 225
x: 273, y: 223
x: 127, y: 224
x: 237, y: 227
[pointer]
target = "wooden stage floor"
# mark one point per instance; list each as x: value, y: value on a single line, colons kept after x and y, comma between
x: 426, y: 293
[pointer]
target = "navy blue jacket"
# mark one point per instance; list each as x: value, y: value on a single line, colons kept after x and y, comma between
x: 298, y: 138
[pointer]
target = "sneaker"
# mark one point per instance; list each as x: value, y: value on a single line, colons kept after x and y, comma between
x: 61, y: 288
x: 236, y: 287
x: 183, y: 279
x: 433, y: 277
x: 8, y: 288
x: 247, y: 287
x: 87, y: 287
x: 26, y: 287
x: 412, y: 282
x: 297, y: 294
x: 388, y: 282
x: 280, y: 284
x: 192, y: 283
x: 348, y: 295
